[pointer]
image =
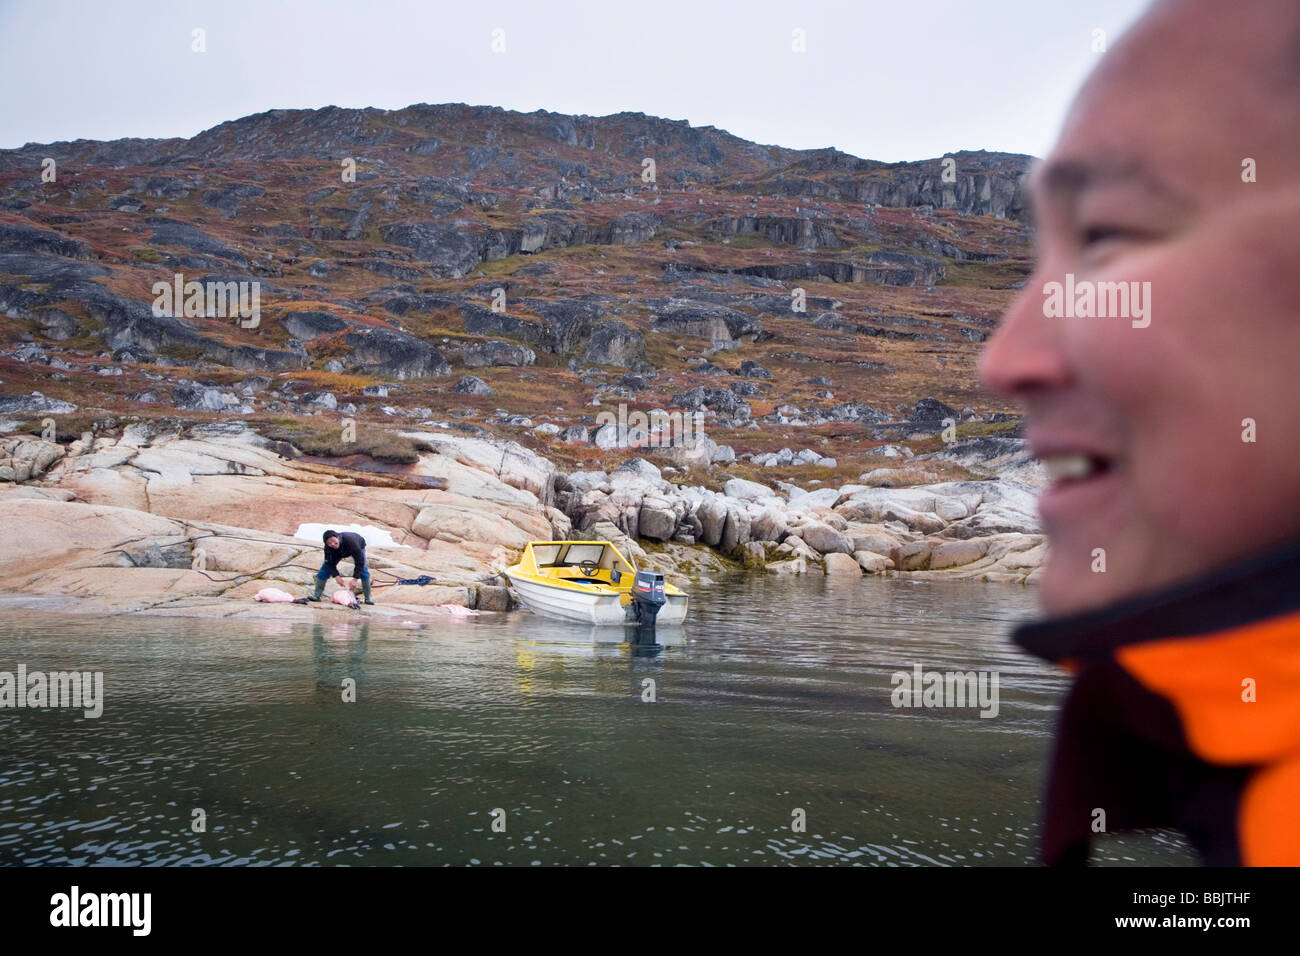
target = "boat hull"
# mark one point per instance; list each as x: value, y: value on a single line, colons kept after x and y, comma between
x: 587, y: 607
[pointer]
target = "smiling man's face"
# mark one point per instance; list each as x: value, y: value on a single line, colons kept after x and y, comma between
x: 1143, y: 427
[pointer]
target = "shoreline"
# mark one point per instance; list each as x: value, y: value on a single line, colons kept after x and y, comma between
x: 396, y: 615
x: 154, y: 521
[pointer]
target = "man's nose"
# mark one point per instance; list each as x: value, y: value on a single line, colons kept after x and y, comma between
x: 1025, y: 353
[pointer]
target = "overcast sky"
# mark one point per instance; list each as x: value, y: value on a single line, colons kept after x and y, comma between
x: 907, y: 79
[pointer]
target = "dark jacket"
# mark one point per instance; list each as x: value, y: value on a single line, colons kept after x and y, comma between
x: 351, y: 545
x: 1185, y: 713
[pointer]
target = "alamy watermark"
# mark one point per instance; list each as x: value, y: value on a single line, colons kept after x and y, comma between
x: 1086, y: 299
x: 919, y: 688
x: 37, y: 689
x: 654, y: 429
x: 209, y: 300
x: 78, y: 909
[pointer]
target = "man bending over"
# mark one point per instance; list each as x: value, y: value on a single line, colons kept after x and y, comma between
x: 337, y: 547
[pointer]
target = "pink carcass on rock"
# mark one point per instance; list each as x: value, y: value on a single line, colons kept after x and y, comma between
x: 273, y: 596
x: 345, y: 597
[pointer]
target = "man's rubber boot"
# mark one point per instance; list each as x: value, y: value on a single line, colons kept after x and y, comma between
x: 365, y: 590
x: 320, y: 589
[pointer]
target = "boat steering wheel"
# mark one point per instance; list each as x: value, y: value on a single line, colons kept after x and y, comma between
x: 588, y: 568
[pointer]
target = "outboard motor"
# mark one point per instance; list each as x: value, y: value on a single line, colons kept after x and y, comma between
x: 647, y: 598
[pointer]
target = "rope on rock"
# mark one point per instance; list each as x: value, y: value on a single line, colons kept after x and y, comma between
x: 249, y: 574
x: 420, y: 581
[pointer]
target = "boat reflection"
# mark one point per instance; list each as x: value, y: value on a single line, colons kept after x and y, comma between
x: 583, y: 640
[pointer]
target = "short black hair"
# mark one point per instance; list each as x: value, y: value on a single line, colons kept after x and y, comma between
x: 329, y: 534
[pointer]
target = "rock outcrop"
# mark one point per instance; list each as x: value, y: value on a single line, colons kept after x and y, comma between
x: 128, y: 523
x: 395, y: 354
x: 985, y: 530
x: 613, y: 343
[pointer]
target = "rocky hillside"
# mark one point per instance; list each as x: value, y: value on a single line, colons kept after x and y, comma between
x: 513, y: 276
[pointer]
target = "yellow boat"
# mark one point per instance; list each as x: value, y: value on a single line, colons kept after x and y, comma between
x: 592, y: 583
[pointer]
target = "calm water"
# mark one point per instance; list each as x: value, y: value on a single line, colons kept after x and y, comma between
x: 775, y: 698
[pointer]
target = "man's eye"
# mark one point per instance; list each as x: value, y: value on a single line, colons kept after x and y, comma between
x: 1096, y: 234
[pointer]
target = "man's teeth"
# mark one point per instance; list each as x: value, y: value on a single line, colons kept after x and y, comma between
x: 1070, y: 466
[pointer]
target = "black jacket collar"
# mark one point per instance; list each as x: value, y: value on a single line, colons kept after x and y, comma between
x: 1256, y: 589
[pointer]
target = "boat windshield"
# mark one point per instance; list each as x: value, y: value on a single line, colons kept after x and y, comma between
x: 578, y: 553
x: 545, y: 554
x: 568, y: 554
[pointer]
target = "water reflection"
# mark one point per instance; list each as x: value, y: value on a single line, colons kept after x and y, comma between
x: 695, y: 749
x: 340, y: 655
